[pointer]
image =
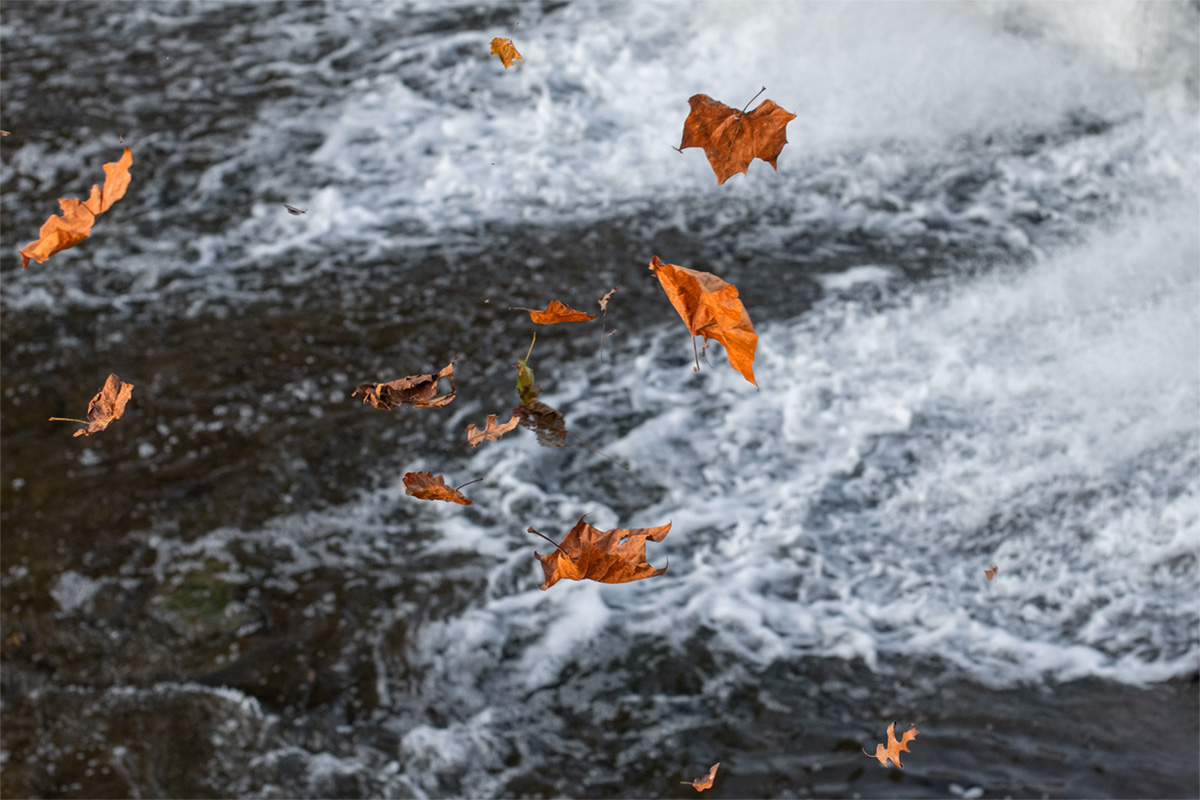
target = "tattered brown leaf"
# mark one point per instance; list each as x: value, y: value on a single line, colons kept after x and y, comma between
x: 105, y: 408
x: 546, y: 422
x: 557, y: 312
x: 417, y: 390
x: 506, y: 50
x: 603, y: 301
x: 705, y: 782
x: 614, y: 556
x: 894, y: 747
x: 75, y: 223
x: 491, y: 431
x: 427, y: 486
x: 731, y: 138
x: 991, y: 571
x: 710, y: 308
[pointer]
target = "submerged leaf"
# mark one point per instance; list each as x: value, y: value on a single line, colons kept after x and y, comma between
x: 731, y: 138
x: 614, y: 556
x: 710, y: 308
x: 417, y: 390
x: 894, y: 747
x: 75, y: 223
x: 427, y: 486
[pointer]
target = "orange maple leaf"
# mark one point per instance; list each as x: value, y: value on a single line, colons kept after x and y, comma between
x: 710, y: 308
x: 106, y: 407
x: 894, y: 747
x: 557, y: 312
x: 78, y: 216
x: 732, y: 139
x: 492, y: 431
x: 506, y: 50
x: 706, y: 781
x: 614, y: 556
x: 427, y: 486
x: 417, y: 390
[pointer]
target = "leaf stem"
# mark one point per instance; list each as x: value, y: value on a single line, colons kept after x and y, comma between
x: 530, y: 529
x: 695, y: 355
x: 68, y: 419
x: 468, y: 483
x: 760, y: 91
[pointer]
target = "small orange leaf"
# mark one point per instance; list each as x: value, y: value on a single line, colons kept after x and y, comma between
x: 710, y: 308
x: 427, y: 486
x: 491, y: 431
x: 732, y: 139
x: 706, y: 781
x: 418, y: 391
x: 105, y: 408
x: 614, y: 556
x: 991, y: 571
x: 75, y: 223
x: 506, y: 50
x: 894, y: 747
x: 557, y: 312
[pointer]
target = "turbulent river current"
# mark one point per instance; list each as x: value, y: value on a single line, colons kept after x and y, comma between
x: 975, y: 279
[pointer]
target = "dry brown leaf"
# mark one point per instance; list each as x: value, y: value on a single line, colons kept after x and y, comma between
x: 491, y: 431
x: 417, y: 390
x: 732, y: 139
x: 548, y: 423
x: 105, y: 408
x: 614, y: 556
x: 75, y: 224
x: 603, y: 301
x: 557, y: 312
x: 710, y: 308
x: 506, y: 50
x: 706, y: 781
x: 894, y: 747
x: 991, y: 571
x: 427, y: 486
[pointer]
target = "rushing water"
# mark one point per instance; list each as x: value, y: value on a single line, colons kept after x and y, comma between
x: 976, y: 283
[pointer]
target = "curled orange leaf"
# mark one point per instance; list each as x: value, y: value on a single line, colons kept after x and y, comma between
x: 557, y: 312
x: 506, y: 50
x: 419, y: 391
x: 492, y: 431
x: 705, y: 781
x: 710, y: 308
x: 427, y: 486
x: 75, y: 223
x: 991, y: 571
x: 105, y: 408
x: 613, y: 556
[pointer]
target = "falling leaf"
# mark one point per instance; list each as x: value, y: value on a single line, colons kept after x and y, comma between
x: 491, y: 431
x: 4, y: 133
x: 78, y: 216
x: 295, y: 212
x: 603, y: 301
x: 614, y: 556
x: 506, y: 50
x: 417, y: 390
x: 705, y: 782
x: 732, y: 139
x: 557, y: 312
x: 991, y: 571
x: 710, y: 308
x: 894, y: 747
x: 427, y: 486
x: 106, y: 407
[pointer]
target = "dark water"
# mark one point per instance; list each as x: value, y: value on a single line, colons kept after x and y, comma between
x: 975, y: 283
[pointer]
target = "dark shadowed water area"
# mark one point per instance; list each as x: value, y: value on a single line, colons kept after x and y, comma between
x: 975, y: 279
